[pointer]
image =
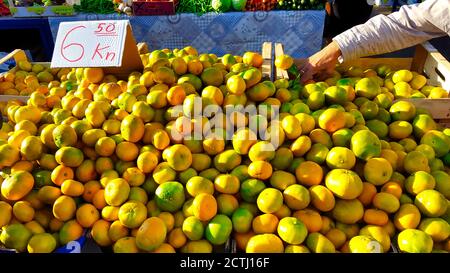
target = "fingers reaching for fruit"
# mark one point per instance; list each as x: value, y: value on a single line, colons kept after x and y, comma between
x: 321, y: 64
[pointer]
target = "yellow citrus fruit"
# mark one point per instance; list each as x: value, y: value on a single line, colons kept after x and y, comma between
x: 309, y: 173
x: 269, y: 200
x: 87, y: 215
x: 345, y: 184
x: 17, y: 185
x: 265, y: 243
x: 204, y: 206
x: 151, y: 234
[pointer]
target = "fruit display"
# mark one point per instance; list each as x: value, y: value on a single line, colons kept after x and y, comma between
x: 169, y: 160
x: 204, y: 6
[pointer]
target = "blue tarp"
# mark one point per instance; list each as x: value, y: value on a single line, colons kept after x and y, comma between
x: 233, y: 32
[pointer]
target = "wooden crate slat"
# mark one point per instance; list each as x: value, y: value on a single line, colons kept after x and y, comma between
x: 266, y: 52
x: 437, y: 68
x: 18, y: 55
x: 12, y: 97
x: 394, y: 63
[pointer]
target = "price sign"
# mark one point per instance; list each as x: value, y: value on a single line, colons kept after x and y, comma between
x: 94, y: 44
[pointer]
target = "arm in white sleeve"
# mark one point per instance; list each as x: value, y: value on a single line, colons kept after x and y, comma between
x: 411, y: 25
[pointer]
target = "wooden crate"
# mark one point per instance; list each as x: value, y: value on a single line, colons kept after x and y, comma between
x: 426, y: 60
x: 18, y: 55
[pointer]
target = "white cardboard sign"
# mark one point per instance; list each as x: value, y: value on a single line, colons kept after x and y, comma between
x: 90, y: 44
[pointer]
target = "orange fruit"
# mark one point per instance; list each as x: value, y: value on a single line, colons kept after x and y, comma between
x: 100, y: 233
x: 311, y: 219
x: 337, y: 237
x: 64, y: 208
x: 70, y: 231
x: 110, y: 213
x: 23, y: 211
x: 291, y: 127
x: 392, y: 188
x: 103, y: 164
x: 309, y: 173
x: 236, y: 85
x: 86, y: 171
x: 41, y: 243
x: 260, y: 170
x: 386, y: 201
x: 151, y: 234
x: 93, y: 75
x: 132, y: 128
x: 69, y: 156
x: 178, y: 156
x: 87, y: 215
x: 17, y: 185
x: 332, y: 120
x: 282, y: 180
x: 265, y: 243
x: 265, y: 223
x: 431, y: 203
x: 269, y: 200
x: 134, y: 176
x: 252, y: 58
x: 22, y: 166
x: 345, y: 184
x: 176, y: 95
x: 116, y: 192
x: 368, y: 192
x: 340, y: 158
x: 227, y: 183
x: 105, y: 146
x: 204, y: 206
x: 377, y: 171
x: 72, y: 188
x: 48, y: 194
x: 127, y: 151
x: 375, y: 217
x: 177, y: 238
x: 284, y: 61
x: 132, y: 214
x: 98, y: 199
x: 296, y: 197
x: 322, y: 198
x: 348, y: 211
x: 160, y: 139
x: 112, y: 90
x: 117, y: 231
x: 5, y: 213
x: 90, y: 189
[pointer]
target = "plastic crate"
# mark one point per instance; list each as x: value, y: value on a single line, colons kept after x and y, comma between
x: 254, y: 5
x: 154, y: 7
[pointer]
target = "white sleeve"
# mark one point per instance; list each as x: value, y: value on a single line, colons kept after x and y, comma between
x: 411, y: 25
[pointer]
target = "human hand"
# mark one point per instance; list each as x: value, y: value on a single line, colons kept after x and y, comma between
x: 322, y: 63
